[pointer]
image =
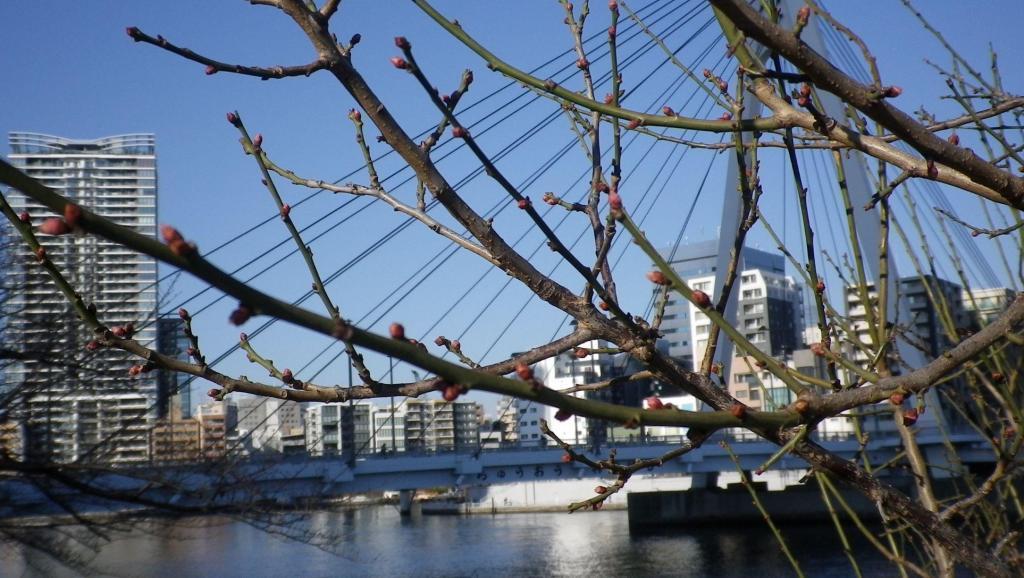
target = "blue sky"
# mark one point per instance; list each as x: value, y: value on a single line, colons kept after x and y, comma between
x: 72, y: 71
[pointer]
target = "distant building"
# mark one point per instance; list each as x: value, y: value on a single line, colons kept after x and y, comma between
x: 12, y: 440
x: 389, y: 430
x: 508, y: 418
x: 983, y: 306
x: 172, y: 342
x: 216, y: 419
x: 323, y: 429
x: 92, y: 410
x: 768, y: 299
x: 174, y: 438
x: 437, y: 425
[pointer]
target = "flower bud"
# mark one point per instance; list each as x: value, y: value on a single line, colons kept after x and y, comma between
x: 119, y: 331
x: 233, y: 119
x: 441, y: 341
x: 701, y: 299
x: 72, y: 214
x: 355, y: 115
x: 897, y: 398
x: 600, y: 490
x: 550, y: 199
x: 523, y: 203
x: 633, y: 124
x: 355, y: 39
x: 910, y: 417
x: 738, y: 410
x: 211, y: 69
x: 613, y: 5
x: 92, y: 345
x: 667, y: 111
x: 241, y: 314
x: 24, y: 217
x: 134, y: 370
x: 170, y: 234
x: 523, y: 371
x: 285, y: 210
x: 399, y: 62
x: 892, y: 91
x: 954, y: 139
x: 41, y: 253
x: 243, y: 337
x: 397, y: 331
x: 801, y: 406
x: 612, y: 32
x: 602, y: 306
x: 998, y: 377
x: 54, y: 226
x: 654, y: 402
x: 819, y: 349
x: 566, y: 458
x: 287, y: 376
x: 214, y: 393
x: 459, y: 132
x: 257, y: 142
x: 192, y: 352
x: 933, y: 171
x: 723, y: 85
x: 134, y: 33
x: 803, y: 15
x: 582, y: 63
x: 614, y: 200
x: 820, y: 287
x: 658, y: 278
x: 580, y: 353
x: 402, y: 43
x: 456, y: 345
x: 608, y: 98
x: 563, y: 415
x: 451, y: 392
x: 727, y: 116
x: 183, y: 313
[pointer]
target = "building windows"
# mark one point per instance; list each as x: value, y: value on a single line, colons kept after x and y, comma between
x: 753, y: 308
x: 753, y: 293
x: 748, y: 278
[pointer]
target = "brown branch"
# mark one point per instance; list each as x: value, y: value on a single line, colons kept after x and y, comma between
x: 215, y: 66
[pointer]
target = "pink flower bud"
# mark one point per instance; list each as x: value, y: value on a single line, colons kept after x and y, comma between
x: 612, y: 32
x: 550, y: 199
x: 580, y: 353
x: 257, y: 143
x: 600, y: 490
x: 399, y: 62
x: 820, y: 287
x: 954, y: 139
x: 803, y: 15
x: 54, y: 226
x: 191, y: 352
x: 170, y: 234
x: 910, y: 417
x: 523, y: 203
x: 243, y: 337
x: 287, y: 376
x: 654, y: 402
x: 183, y: 313
x: 563, y: 415
x: 285, y: 210
x: 723, y: 85
x: 633, y: 124
x: 819, y: 349
x: 566, y: 458
x: 582, y: 64
x: 397, y: 331
x: 893, y: 91
x: 523, y: 371
x: 608, y: 98
x: 233, y: 118
x: 738, y: 410
x: 214, y: 393
x: 933, y: 171
x: 667, y: 111
x: 41, y: 253
x: 658, y: 278
x: 211, y: 69
x: 241, y: 314
x: 701, y: 299
x: 92, y: 345
x: 440, y: 341
x: 614, y: 200
x: 72, y: 214
x: 613, y: 5
x: 355, y: 115
x: 402, y: 43
x: 456, y: 345
x: 451, y: 392
x: 725, y: 116
x: 119, y: 331
x: 601, y: 187
x: 24, y: 217
x: 459, y: 132
x: 134, y: 370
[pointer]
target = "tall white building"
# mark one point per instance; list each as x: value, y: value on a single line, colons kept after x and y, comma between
x: 94, y: 411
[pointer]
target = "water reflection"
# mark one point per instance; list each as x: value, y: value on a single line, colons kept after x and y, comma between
x: 376, y: 541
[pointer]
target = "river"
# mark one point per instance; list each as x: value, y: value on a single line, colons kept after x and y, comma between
x: 376, y: 542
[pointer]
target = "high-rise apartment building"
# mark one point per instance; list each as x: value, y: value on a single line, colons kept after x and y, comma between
x: 769, y: 310
x: 437, y: 425
x: 91, y: 410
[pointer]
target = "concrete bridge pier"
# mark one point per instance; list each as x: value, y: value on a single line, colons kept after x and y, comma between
x: 405, y: 502
x: 704, y: 481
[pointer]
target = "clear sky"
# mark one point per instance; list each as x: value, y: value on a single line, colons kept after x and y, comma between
x: 71, y: 71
